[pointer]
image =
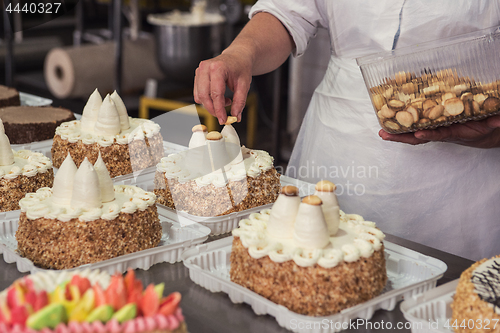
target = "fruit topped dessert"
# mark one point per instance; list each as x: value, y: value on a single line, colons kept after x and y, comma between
x: 88, y: 301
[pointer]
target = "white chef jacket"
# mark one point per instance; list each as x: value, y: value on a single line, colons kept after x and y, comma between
x: 439, y: 194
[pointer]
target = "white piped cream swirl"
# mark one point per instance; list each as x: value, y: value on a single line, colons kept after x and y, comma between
x: 128, y: 199
x: 257, y: 162
x: 139, y: 128
x: 356, y: 239
x: 26, y: 163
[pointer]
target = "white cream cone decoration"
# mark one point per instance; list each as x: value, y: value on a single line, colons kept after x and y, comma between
x: 311, y: 230
x: 199, y: 136
x: 91, y: 111
x: 6, y: 154
x: 282, y: 218
x: 232, y: 139
x: 108, y: 122
x: 86, y: 190
x: 230, y: 135
x: 122, y: 111
x: 105, y: 182
x: 325, y: 190
x: 63, y: 182
x: 233, y: 145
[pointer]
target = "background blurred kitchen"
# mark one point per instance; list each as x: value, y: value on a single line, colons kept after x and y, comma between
x: 162, y: 41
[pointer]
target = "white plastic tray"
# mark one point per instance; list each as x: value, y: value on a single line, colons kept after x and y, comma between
x: 175, y: 240
x: 32, y: 100
x: 409, y: 272
x: 38, y: 147
x: 431, y: 311
x: 226, y: 223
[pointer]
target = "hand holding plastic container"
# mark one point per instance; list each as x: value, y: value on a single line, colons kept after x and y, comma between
x: 435, y: 84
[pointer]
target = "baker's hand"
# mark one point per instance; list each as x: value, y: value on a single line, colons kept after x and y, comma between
x: 231, y: 69
x: 480, y: 134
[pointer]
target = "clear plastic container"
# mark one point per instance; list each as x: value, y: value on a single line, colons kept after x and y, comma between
x: 32, y: 100
x: 435, y: 84
x: 431, y: 311
x: 409, y: 274
x: 176, y: 238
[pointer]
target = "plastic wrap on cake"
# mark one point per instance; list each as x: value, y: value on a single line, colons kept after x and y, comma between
x: 226, y: 223
x: 435, y: 84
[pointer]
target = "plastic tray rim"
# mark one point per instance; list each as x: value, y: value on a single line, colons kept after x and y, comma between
x: 278, y: 311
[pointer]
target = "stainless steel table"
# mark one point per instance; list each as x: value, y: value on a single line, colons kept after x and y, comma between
x: 214, y: 312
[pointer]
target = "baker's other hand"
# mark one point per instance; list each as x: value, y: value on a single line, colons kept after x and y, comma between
x: 232, y: 69
x: 479, y: 134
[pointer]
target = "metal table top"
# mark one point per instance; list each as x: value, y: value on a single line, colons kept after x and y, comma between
x: 208, y: 312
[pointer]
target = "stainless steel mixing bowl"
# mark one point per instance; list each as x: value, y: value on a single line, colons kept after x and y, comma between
x: 180, y: 47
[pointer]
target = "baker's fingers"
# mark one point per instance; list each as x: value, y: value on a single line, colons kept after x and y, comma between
x: 493, y: 122
x: 202, y: 87
x: 218, y: 79
x: 195, y: 87
x: 408, y: 138
x: 439, y: 134
x: 240, y: 97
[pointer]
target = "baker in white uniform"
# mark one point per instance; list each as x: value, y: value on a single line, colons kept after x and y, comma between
x: 439, y: 187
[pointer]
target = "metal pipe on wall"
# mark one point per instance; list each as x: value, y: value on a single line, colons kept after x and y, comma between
x: 117, y: 35
x: 9, y: 59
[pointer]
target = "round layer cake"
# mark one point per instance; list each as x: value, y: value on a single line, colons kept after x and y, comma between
x: 88, y: 301
x: 25, y: 124
x: 125, y: 144
x: 9, y: 97
x: 477, y: 298
x: 252, y: 183
x: 134, y: 149
x: 286, y: 255
x: 62, y: 237
x: 29, y: 172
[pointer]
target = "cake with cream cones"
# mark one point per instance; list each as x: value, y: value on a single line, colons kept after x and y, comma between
x: 21, y: 172
x: 216, y: 175
x: 308, y: 255
x: 85, y: 219
x: 126, y: 144
x: 477, y: 298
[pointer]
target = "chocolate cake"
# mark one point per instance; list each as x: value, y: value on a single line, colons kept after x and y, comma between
x: 25, y: 124
x: 9, y: 97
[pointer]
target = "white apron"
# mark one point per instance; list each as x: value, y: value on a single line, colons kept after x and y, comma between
x: 438, y: 194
